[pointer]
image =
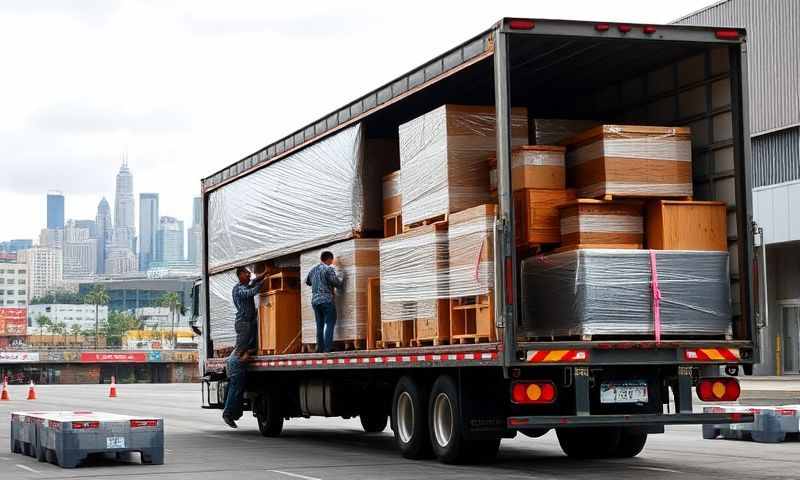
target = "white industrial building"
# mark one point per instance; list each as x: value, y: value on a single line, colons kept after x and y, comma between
x: 13, y: 284
x: 78, y: 314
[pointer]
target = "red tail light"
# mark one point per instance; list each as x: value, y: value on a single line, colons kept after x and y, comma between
x: 521, y: 24
x: 624, y: 28
x: 727, y: 34
x: 85, y: 425
x: 602, y: 27
x: 649, y: 29
x: 718, y: 389
x: 144, y: 423
x: 539, y: 392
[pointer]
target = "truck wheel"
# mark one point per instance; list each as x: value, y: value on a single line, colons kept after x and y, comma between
x: 447, y: 429
x: 590, y: 442
x: 374, y: 421
x: 268, y: 415
x: 409, y: 419
x: 631, y: 443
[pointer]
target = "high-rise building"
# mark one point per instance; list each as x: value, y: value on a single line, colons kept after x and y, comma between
x: 55, y: 209
x: 80, y: 252
x: 51, y: 237
x: 13, y: 283
x: 105, y: 232
x: 170, y: 240
x: 15, y: 245
x: 90, y: 225
x: 45, y: 266
x: 124, y: 214
x: 194, y: 234
x: 121, y: 260
x: 148, y: 228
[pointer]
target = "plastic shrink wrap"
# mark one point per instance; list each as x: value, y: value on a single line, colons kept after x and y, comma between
x: 223, y: 312
x: 312, y: 197
x: 444, y: 159
x: 586, y: 222
x: 626, y: 160
x: 533, y: 166
x: 356, y: 261
x: 471, y: 251
x: 392, y: 199
x: 609, y: 292
x: 554, y: 131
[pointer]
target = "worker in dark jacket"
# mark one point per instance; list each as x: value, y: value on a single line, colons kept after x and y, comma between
x: 246, y: 327
x: 323, y: 279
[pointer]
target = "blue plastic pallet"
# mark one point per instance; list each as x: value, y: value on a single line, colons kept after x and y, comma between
x: 67, y: 438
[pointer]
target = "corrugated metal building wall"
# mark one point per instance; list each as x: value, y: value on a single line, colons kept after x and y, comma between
x: 773, y: 41
x: 776, y: 157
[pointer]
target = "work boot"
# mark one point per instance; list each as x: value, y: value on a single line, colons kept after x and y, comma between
x: 229, y: 421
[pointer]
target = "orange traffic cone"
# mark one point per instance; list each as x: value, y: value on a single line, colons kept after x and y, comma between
x: 4, y: 395
x: 112, y: 392
x: 31, y: 392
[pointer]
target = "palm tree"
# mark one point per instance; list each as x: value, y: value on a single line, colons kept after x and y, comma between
x: 43, y: 321
x: 97, y: 296
x: 60, y: 328
x: 172, y: 301
x: 75, y: 330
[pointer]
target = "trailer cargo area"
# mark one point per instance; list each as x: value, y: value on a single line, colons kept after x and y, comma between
x: 458, y: 400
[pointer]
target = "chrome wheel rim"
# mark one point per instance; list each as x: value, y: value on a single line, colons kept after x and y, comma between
x: 442, y: 420
x: 405, y: 417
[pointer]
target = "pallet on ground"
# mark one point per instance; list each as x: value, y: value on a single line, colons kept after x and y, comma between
x: 628, y: 160
x: 590, y: 223
x: 686, y: 225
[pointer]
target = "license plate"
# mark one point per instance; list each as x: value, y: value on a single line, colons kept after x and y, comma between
x: 115, y: 442
x: 632, y: 392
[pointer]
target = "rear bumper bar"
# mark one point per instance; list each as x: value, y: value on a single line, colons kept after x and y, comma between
x: 551, y: 421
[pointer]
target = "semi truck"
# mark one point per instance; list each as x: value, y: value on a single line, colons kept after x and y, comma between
x: 602, y: 396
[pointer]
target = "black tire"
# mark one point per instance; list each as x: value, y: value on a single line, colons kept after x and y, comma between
x: 448, y: 440
x: 374, y: 421
x: 268, y: 415
x: 410, y: 419
x: 710, y: 433
x: 535, y: 433
x: 592, y: 442
x: 631, y: 443
x: 41, y: 454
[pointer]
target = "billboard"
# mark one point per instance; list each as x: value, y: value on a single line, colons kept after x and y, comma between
x: 102, y: 357
x: 18, y: 357
x: 13, y: 321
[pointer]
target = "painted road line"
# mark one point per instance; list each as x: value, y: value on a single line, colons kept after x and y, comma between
x: 27, y: 468
x: 295, y: 475
x: 656, y: 469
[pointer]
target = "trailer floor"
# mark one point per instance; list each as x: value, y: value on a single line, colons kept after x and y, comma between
x: 199, y: 446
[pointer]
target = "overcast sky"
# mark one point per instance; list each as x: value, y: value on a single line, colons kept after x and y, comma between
x: 187, y: 87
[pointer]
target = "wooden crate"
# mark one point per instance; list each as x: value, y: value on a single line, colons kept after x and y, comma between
x: 432, y: 323
x: 536, y: 216
x: 443, y: 157
x: 687, y: 225
x: 533, y: 166
x: 373, y: 312
x: 279, y: 323
x: 396, y: 334
x: 631, y: 161
x: 472, y: 319
x: 282, y: 281
x: 392, y: 199
x: 392, y: 225
x: 589, y: 223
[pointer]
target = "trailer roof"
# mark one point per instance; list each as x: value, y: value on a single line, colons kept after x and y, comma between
x: 464, y: 56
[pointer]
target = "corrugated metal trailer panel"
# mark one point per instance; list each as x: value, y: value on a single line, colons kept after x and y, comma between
x: 773, y: 41
x: 776, y: 157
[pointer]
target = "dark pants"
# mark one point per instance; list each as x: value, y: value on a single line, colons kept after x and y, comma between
x: 325, y: 314
x: 236, y: 383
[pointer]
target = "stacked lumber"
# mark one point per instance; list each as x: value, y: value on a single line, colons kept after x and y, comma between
x: 356, y: 261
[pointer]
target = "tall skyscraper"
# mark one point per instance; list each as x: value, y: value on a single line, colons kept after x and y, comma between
x: 170, y: 240
x: 105, y: 233
x: 148, y: 229
x: 194, y: 234
x: 16, y: 245
x: 124, y: 205
x: 90, y: 225
x: 80, y: 251
x: 55, y: 210
x: 45, y: 267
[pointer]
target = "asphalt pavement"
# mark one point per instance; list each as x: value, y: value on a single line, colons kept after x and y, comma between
x: 200, y: 446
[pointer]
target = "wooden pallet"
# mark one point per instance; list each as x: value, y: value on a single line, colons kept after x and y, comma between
x: 472, y: 318
x: 429, y: 342
x: 429, y: 221
x: 583, y: 246
x: 391, y: 344
x: 470, y: 339
x: 392, y: 224
x: 338, y: 346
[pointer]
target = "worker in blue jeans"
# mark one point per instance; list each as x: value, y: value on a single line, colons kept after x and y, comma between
x: 323, y: 279
x: 246, y: 328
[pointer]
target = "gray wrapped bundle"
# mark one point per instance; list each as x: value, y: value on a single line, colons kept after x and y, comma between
x: 609, y: 292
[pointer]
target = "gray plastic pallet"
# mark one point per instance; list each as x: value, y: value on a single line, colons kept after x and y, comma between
x: 67, y: 438
x: 770, y: 424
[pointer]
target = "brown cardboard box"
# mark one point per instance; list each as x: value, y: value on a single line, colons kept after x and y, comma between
x: 536, y: 217
x: 589, y: 223
x: 533, y: 166
x: 687, y: 225
x: 631, y: 161
x: 443, y: 157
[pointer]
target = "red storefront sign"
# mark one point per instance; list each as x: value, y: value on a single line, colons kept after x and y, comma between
x: 102, y: 357
x: 13, y: 321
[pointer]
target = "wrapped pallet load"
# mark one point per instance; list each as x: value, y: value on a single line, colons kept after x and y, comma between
x: 627, y: 292
x: 590, y: 223
x: 631, y: 161
x: 414, y: 286
x: 444, y: 159
x: 356, y: 261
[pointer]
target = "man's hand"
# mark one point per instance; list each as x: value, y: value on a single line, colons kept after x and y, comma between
x: 261, y: 276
